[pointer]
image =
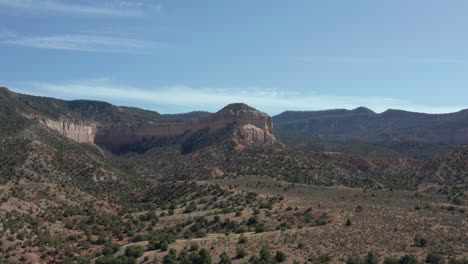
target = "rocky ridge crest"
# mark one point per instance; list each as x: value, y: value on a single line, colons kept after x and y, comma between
x: 99, y: 123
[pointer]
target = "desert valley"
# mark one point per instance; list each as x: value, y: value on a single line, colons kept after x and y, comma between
x: 90, y: 182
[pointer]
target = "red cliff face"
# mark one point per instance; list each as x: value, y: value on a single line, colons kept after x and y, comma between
x: 250, y: 127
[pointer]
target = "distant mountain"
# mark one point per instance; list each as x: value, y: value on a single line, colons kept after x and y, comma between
x: 187, y: 116
x: 391, y: 134
x: 362, y: 124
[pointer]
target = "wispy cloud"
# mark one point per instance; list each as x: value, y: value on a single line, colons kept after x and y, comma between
x: 378, y: 60
x: 79, y: 42
x: 188, y: 98
x: 101, y: 7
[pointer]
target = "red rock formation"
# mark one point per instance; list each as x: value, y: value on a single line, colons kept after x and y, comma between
x: 252, y: 127
x: 247, y: 135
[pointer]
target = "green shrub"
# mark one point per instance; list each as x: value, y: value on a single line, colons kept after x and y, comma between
x: 171, y: 257
x: 280, y: 256
x: 348, y: 222
x: 354, y: 260
x: 203, y: 257
x: 224, y: 258
x: 434, y: 258
x: 134, y: 251
x: 241, y: 253
x: 242, y: 239
x: 265, y: 254
x: 420, y: 241
x: 164, y: 246
x: 190, y: 208
x: 324, y: 258
x: 371, y: 258
x: 408, y: 259
x: 260, y: 228
x: 194, y: 246
x: 390, y: 260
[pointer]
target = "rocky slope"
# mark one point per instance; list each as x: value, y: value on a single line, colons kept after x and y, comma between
x: 123, y: 129
x: 250, y: 126
x: 452, y: 167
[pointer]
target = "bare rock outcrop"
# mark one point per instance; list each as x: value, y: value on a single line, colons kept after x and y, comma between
x: 250, y: 127
x: 249, y: 134
x: 80, y: 133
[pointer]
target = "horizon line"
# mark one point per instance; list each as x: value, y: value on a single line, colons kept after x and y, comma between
x: 175, y: 113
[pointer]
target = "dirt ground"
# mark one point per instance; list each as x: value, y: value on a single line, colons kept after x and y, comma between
x: 382, y: 221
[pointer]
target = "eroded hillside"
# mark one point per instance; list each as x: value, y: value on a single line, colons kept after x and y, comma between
x: 90, y: 182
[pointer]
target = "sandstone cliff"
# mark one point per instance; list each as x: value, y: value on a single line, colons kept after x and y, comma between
x: 80, y: 133
x: 249, y: 127
x: 249, y: 134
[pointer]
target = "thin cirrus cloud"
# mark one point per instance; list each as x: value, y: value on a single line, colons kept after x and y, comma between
x: 79, y: 42
x: 99, y: 8
x: 378, y: 60
x: 209, y: 99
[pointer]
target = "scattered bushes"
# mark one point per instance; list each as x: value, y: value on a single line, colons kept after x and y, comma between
x: 224, y: 258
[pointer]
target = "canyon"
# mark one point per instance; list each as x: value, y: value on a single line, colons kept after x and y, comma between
x: 250, y: 126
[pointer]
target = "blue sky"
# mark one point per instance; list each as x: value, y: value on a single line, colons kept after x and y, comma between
x: 177, y: 56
